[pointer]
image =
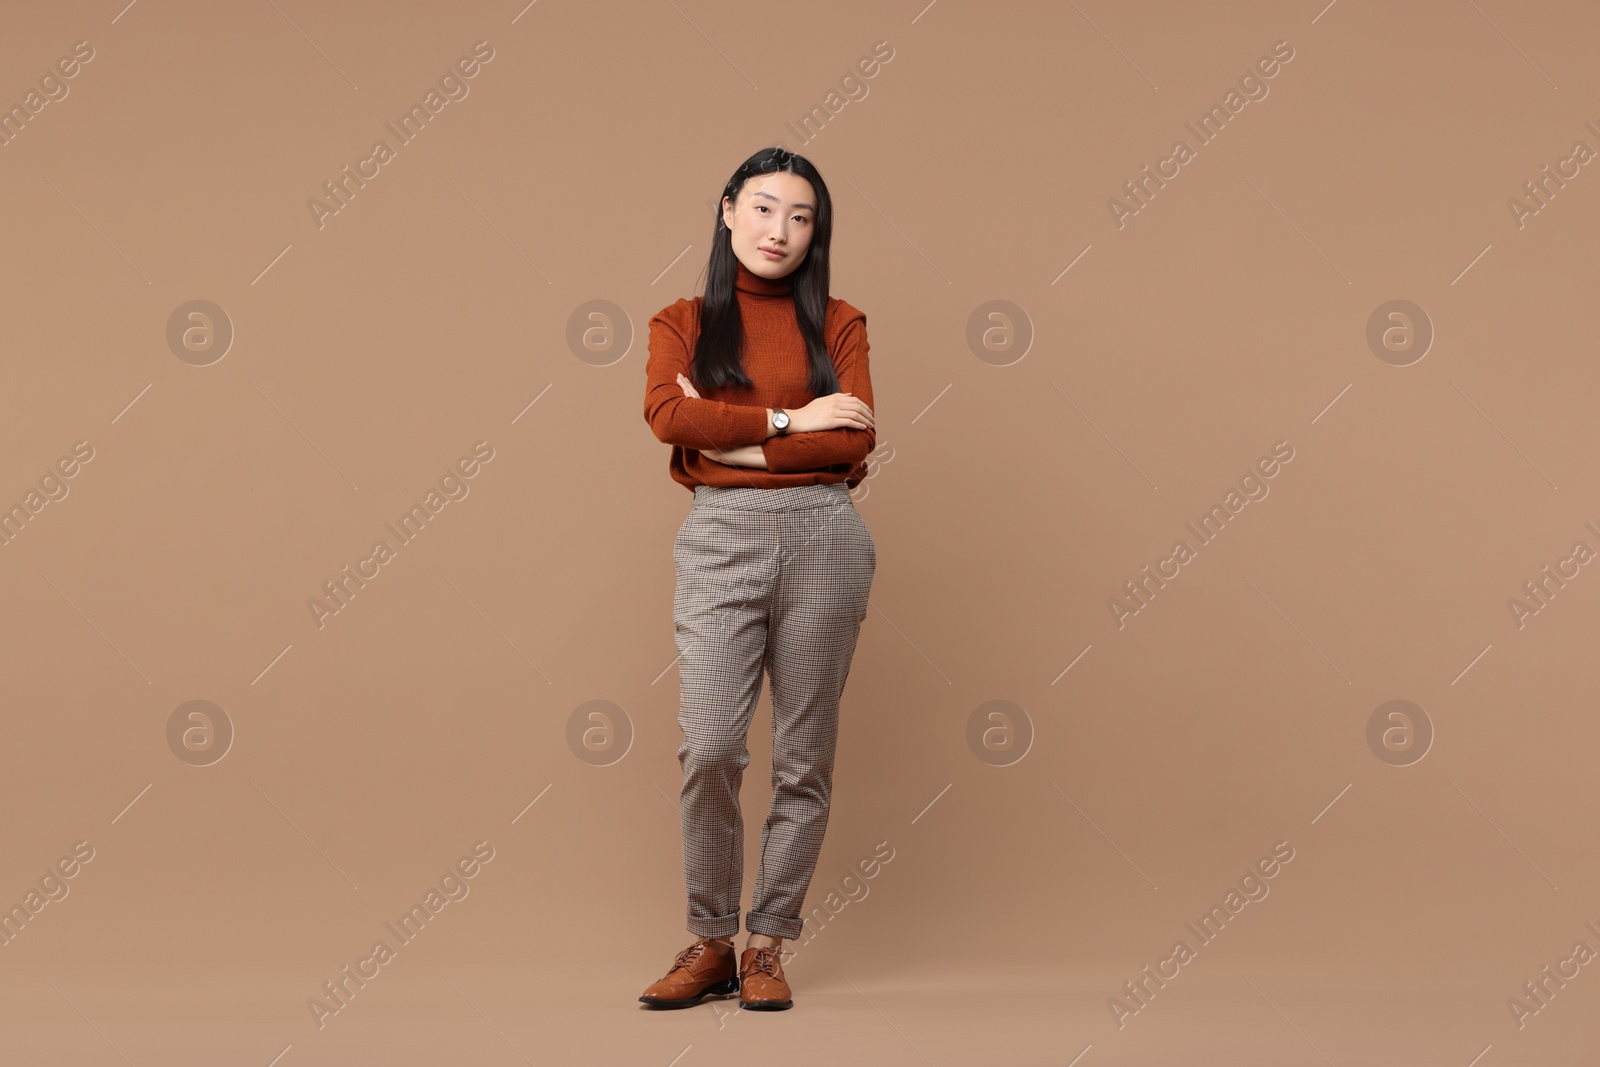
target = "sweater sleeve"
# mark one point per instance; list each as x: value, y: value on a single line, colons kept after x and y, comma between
x: 691, y: 422
x: 847, y: 445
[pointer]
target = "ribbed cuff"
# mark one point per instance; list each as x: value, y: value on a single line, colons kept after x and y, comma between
x: 757, y: 433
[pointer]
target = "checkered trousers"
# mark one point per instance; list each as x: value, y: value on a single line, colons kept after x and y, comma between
x: 774, y: 581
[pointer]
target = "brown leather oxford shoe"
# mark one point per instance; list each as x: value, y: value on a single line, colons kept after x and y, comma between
x: 699, y: 971
x: 762, y: 986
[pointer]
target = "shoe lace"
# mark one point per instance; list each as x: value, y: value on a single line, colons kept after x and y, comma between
x: 765, y: 960
x: 688, y: 956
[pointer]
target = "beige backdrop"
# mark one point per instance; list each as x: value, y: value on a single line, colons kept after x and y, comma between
x: 1328, y: 318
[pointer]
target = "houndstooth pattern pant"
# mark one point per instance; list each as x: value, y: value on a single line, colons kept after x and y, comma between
x: 772, y: 580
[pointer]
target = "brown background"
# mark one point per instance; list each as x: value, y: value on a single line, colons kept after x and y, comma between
x: 1009, y: 504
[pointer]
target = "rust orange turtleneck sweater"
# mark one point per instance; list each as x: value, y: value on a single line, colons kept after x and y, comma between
x: 777, y: 364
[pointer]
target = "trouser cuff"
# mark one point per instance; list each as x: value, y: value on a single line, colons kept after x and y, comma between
x: 718, y: 926
x: 773, y: 925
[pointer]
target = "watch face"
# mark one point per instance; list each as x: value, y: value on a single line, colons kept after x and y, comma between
x: 780, y: 419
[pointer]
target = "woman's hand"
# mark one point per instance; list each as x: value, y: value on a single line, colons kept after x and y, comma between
x: 832, y: 412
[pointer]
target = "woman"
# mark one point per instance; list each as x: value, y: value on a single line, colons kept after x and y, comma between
x: 761, y: 387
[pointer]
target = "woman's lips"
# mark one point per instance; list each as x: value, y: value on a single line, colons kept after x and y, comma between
x: 770, y: 254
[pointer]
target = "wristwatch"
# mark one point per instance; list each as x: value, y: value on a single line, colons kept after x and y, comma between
x: 780, y: 419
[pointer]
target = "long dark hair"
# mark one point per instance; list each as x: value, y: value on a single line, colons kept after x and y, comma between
x: 719, y: 349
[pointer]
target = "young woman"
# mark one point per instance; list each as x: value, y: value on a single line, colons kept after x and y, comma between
x: 761, y: 387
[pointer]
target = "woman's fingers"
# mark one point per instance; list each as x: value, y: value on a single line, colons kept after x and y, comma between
x: 857, y: 415
x: 860, y: 407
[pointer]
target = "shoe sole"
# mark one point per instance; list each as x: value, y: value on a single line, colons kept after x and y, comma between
x: 716, y: 989
x: 766, y: 1005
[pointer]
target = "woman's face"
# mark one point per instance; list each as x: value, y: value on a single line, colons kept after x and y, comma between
x: 775, y: 211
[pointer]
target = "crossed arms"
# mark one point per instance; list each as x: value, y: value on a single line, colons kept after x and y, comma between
x: 740, y: 435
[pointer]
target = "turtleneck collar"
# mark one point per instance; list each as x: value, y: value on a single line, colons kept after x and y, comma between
x: 749, y: 281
